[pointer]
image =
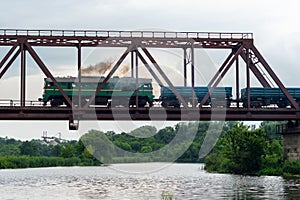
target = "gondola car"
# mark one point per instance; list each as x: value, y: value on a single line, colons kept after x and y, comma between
x: 221, y: 96
x: 260, y: 97
x: 116, y: 91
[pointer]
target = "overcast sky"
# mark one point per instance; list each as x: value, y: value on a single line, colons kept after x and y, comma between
x: 274, y: 24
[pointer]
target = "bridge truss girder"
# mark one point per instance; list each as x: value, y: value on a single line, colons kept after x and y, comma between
x: 135, y: 42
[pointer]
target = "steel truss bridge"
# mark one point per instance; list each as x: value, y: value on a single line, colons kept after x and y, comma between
x: 138, y: 44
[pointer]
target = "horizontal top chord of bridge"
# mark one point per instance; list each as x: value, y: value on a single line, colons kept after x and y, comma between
x: 125, y: 34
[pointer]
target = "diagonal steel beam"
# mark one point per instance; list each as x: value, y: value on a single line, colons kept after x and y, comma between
x: 220, y: 70
x: 158, y: 68
x: 149, y: 69
x: 274, y: 77
x: 9, y: 53
x: 10, y: 63
x: 228, y: 65
x: 47, y: 73
x: 256, y: 72
x: 99, y: 88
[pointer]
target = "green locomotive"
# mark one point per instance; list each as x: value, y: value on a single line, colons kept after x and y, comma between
x: 116, y: 91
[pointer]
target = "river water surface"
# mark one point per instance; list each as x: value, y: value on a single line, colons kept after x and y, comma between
x: 140, y: 181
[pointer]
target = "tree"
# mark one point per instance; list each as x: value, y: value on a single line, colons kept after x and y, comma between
x: 270, y: 129
x: 144, y: 131
x: 67, y: 151
x: 240, y: 150
x: 29, y: 148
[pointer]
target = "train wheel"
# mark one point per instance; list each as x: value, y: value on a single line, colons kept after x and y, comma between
x: 164, y: 104
x: 142, y: 102
x: 150, y: 103
x: 177, y: 106
x: 56, y: 102
x: 281, y: 105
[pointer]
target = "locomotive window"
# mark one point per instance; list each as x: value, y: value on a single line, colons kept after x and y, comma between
x: 73, y: 85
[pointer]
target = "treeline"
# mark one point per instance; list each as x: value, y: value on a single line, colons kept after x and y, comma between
x: 256, y: 152
x: 238, y: 150
x: 181, y: 143
x: 38, y: 153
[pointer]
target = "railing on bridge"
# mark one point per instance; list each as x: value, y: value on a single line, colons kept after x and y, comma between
x: 125, y: 34
x: 17, y: 103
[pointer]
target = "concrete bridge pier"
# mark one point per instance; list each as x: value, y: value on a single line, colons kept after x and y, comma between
x: 291, y: 140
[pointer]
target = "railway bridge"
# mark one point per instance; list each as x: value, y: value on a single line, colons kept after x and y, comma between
x: 242, y: 54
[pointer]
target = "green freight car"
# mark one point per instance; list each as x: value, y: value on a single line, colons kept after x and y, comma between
x: 116, y: 91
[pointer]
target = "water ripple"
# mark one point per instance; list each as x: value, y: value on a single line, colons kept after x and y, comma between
x: 183, y: 181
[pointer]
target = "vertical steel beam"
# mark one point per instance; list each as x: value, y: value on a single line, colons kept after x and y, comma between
x: 226, y: 68
x: 23, y: 76
x: 248, y: 78
x: 185, y: 67
x: 79, y: 73
x: 132, y: 64
x: 274, y: 77
x: 193, y: 75
x: 179, y: 97
x: 149, y: 69
x: 47, y: 73
x: 136, y: 80
x: 112, y: 71
x: 237, y: 82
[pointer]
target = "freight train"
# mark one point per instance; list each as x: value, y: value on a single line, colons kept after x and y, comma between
x: 122, y: 92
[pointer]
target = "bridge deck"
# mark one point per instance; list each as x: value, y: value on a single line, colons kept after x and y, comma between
x: 156, y: 113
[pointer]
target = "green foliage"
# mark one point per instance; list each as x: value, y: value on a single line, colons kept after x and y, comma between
x: 29, y: 148
x: 67, y: 151
x: 244, y: 151
x: 41, y: 161
x: 9, y: 146
x: 144, y: 131
x: 291, y: 167
x: 240, y: 151
x: 146, y: 139
x: 37, y: 153
x: 167, y: 196
x: 270, y: 130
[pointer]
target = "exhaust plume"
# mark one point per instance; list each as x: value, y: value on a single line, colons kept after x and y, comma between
x: 102, y: 68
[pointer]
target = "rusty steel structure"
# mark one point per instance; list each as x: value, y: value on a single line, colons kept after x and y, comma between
x: 138, y: 43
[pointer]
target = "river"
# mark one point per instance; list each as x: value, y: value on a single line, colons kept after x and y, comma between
x: 140, y: 181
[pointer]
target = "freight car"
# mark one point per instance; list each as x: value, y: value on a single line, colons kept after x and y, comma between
x: 116, y: 91
x: 221, y: 96
x: 260, y: 97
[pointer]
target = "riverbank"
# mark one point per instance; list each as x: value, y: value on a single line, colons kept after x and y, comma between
x: 13, y: 162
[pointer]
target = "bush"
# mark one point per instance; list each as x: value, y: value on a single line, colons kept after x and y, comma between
x: 12, y: 162
x: 291, y: 167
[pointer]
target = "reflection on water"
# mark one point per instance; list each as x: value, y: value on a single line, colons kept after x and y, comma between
x: 183, y: 181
